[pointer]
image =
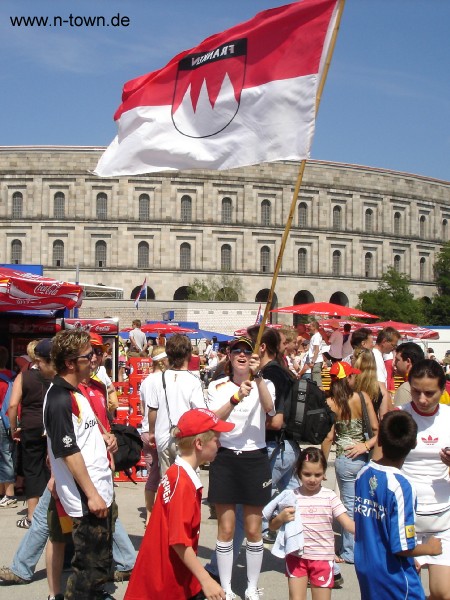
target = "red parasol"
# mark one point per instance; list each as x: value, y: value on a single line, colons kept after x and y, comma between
x: 406, y: 330
x: 243, y: 330
x: 162, y: 328
x: 26, y: 291
x: 326, y: 324
x: 325, y: 308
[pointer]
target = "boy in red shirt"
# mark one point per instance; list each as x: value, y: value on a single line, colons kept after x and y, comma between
x: 167, y: 565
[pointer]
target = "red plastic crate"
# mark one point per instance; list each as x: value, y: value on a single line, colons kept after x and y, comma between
x: 139, y: 366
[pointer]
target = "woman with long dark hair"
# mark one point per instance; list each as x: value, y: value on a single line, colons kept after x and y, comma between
x: 427, y: 468
x: 352, y: 447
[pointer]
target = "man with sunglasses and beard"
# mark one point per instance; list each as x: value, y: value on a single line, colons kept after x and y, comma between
x: 80, y: 465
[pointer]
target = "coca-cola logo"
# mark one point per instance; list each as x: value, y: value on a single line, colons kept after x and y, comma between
x: 48, y: 289
x: 102, y: 328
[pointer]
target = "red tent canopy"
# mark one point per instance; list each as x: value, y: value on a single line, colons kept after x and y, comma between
x: 26, y: 291
x: 406, y: 330
x: 162, y: 328
x: 325, y: 308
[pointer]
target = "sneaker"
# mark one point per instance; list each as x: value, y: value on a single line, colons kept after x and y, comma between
x: 338, y: 582
x: 24, y: 523
x: 122, y: 575
x: 57, y: 597
x: 8, y: 502
x: 268, y: 536
x: 230, y: 595
x: 7, y: 576
x: 253, y: 594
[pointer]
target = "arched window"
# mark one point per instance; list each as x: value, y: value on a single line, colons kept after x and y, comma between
x: 303, y: 215
x: 265, y: 259
x: 185, y: 256
x: 16, y: 252
x: 58, y: 253
x: 397, y: 262
x: 422, y: 269
x: 422, y: 223
x: 336, y: 263
x: 186, y: 209
x: 102, y: 206
x: 225, y: 257
x: 397, y: 223
x: 265, y: 213
x: 100, y: 254
x: 301, y: 261
x: 227, y: 206
x: 143, y: 255
x: 445, y: 230
x: 59, y: 205
x: 368, y: 220
x: 17, y: 205
x: 337, y: 218
x: 144, y: 207
x: 368, y: 265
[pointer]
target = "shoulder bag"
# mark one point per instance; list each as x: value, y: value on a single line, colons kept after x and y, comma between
x: 367, y: 427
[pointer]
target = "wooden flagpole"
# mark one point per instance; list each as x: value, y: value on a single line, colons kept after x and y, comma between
x: 300, y: 176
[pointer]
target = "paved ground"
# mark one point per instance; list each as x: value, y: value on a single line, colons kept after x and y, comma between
x: 131, y: 507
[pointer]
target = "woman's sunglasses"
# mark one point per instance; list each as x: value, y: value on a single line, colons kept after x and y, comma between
x: 246, y: 351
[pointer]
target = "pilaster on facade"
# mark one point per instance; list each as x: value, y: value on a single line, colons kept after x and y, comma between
x: 238, y: 236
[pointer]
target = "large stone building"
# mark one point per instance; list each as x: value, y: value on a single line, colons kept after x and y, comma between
x: 350, y: 224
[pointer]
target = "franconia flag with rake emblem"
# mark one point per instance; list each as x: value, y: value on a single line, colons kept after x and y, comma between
x: 241, y: 97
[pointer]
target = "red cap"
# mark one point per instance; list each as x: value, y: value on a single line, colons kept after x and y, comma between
x: 199, y: 420
x: 96, y: 340
x: 342, y: 369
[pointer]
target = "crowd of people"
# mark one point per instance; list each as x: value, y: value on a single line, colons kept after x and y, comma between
x: 226, y: 407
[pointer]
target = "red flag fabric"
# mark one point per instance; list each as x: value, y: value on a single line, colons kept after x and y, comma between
x: 241, y: 97
x: 138, y: 297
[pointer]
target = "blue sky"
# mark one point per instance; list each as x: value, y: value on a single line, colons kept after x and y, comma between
x: 386, y: 101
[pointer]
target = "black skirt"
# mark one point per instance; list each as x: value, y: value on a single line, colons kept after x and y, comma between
x: 240, y: 478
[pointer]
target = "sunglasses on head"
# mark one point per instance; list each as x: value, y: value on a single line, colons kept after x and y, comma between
x: 246, y: 351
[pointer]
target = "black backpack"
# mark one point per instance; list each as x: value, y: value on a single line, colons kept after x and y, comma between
x: 307, y: 416
x: 130, y: 446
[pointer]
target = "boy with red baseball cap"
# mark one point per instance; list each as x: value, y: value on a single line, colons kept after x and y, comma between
x: 167, y: 565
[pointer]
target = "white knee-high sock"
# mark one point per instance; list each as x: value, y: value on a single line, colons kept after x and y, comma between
x: 254, y: 555
x: 224, y: 552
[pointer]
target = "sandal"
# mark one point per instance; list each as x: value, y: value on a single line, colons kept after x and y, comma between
x: 24, y: 523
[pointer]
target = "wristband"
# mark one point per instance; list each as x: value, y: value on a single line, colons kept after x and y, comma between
x: 258, y: 375
x: 367, y: 446
x: 235, y: 399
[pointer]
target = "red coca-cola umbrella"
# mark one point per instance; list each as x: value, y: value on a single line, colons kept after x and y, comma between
x: 27, y: 291
x: 325, y: 309
x: 162, y: 328
x: 407, y: 330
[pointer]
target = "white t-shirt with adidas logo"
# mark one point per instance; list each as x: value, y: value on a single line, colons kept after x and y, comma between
x: 423, y: 467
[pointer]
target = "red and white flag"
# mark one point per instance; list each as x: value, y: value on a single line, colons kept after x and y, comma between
x: 139, y: 294
x: 241, y: 97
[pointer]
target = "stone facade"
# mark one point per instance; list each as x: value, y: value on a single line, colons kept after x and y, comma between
x: 350, y: 224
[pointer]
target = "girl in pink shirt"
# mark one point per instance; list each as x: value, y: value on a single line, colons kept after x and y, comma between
x: 318, y: 507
